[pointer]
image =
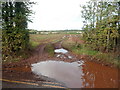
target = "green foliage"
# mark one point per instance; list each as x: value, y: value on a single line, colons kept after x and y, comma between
x: 82, y: 49
x: 102, y: 26
x: 15, y: 36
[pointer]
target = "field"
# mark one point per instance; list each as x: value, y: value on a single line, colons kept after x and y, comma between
x: 75, y: 44
x: 37, y: 39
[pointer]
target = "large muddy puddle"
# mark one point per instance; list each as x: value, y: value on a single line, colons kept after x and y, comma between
x: 79, y: 74
x: 69, y: 73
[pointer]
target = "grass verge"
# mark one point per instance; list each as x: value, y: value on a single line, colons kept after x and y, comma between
x: 49, y: 49
x: 20, y: 55
x: 81, y: 49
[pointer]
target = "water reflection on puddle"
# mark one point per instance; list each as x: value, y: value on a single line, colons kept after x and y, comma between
x: 69, y: 73
x: 78, y: 74
x: 61, y: 51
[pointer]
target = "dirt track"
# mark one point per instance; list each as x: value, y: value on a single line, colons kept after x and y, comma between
x: 22, y: 70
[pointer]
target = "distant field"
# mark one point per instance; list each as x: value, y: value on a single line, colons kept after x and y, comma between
x: 37, y: 39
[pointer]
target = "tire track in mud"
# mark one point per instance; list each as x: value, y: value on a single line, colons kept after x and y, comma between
x: 21, y: 70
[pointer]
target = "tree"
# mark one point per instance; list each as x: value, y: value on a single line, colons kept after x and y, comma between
x: 102, y: 25
x: 15, y: 36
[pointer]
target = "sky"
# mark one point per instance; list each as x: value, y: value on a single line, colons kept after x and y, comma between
x: 57, y: 15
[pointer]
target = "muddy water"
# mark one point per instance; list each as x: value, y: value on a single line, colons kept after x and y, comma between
x: 68, y: 73
x: 99, y: 76
x: 79, y: 74
x: 21, y: 69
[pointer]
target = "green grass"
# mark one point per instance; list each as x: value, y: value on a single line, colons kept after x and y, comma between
x: 81, y: 49
x: 49, y: 49
x: 78, y: 48
x: 68, y: 44
x: 109, y: 58
x: 84, y: 51
x: 37, y: 39
x: 34, y: 44
x: 104, y: 57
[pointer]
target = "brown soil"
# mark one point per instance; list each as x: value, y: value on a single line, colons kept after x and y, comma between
x: 22, y: 70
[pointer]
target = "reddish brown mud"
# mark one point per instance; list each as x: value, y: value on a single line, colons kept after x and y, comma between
x: 95, y: 75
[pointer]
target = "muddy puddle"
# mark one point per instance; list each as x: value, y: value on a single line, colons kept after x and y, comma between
x: 61, y: 50
x: 63, y: 54
x: 68, y: 73
x: 78, y: 74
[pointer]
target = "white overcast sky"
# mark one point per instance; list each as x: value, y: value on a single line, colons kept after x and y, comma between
x: 57, y: 15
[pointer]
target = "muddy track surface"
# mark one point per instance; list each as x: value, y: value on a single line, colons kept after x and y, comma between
x: 21, y: 71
